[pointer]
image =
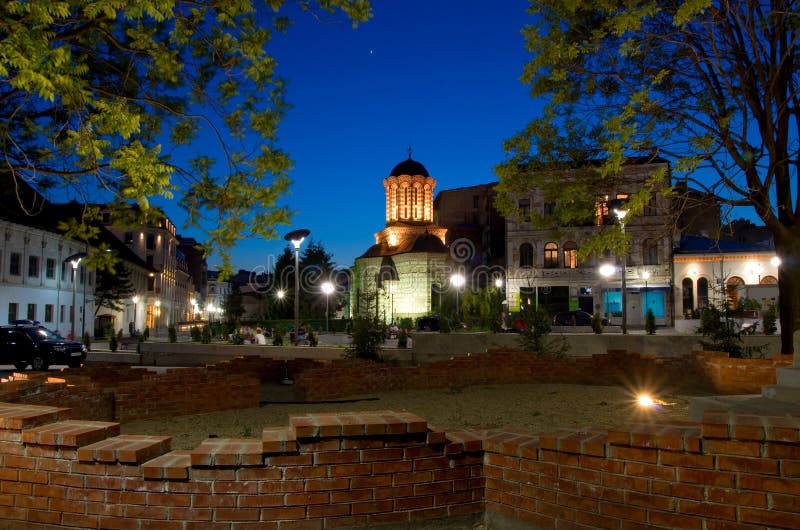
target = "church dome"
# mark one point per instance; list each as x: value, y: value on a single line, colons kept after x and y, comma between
x: 409, y: 167
x: 428, y: 243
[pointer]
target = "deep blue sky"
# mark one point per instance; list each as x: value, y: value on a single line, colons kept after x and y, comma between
x: 440, y: 76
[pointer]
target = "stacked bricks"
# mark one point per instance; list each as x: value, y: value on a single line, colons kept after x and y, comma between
x: 698, y: 370
x: 322, y: 471
x: 731, y: 471
x: 184, y: 391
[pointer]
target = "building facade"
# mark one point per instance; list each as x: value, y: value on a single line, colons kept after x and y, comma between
x: 544, y: 270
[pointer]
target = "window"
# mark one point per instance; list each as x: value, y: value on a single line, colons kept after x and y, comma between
x: 527, y: 297
x: 687, y: 287
x: 650, y: 252
x: 732, y: 291
x: 652, y: 207
x: 129, y: 238
x: 13, y: 310
x: 48, y: 312
x: 31, y: 312
x: 550, y: 255
x: 151, y: 283
x: 526, y: 255
x: 600, y: 210
x: 151, y: 241
x: 50, y: 269
x: 549, y: 209
x: 702, y: 293
x: 524, y: 206
x: 33, y: 266
x: 14, y: 264
x: 570, y: 255
x: 61, y: 313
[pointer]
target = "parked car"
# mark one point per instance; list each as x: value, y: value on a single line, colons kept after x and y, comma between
x: 575, y: 318
x: 430, y: 323
x: 26, y: 344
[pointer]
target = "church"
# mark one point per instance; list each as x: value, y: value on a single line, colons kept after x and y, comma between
x: 403, y: 274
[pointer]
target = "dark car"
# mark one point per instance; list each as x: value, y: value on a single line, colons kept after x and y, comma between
x: 430, y: 323
x: 575, y: 318
x: 23, y: 345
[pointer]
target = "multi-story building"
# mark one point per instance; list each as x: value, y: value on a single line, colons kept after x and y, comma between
x: 544, y: 269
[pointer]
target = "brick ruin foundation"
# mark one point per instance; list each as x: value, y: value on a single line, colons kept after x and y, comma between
x: 61, y: 467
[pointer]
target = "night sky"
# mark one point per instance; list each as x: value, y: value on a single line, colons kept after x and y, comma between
x: 439, y: 76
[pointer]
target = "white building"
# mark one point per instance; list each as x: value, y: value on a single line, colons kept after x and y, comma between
x: 36, y: 279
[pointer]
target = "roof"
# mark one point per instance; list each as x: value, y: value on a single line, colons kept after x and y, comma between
x: 692, y: 244
x: 409, y: 167
x: 424, y: 243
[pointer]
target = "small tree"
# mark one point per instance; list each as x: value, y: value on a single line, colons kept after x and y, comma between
x: 113, y: 343
x: 205, y: 336
x: 172, y: 333
x: 538, y: 325
x: 650, y: 322
x: 195, y: 334
x: 367, y: 337
x: 402, y: 338
x: 597, y: 323
x: 769, y: 320
x: 277, y: 337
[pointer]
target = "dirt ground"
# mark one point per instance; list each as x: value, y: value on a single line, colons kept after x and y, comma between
x: 534, y: 408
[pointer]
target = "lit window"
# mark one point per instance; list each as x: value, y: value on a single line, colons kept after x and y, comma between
x: 551, y: 255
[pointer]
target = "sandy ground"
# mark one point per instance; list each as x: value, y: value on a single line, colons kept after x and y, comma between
x: 534, y: 408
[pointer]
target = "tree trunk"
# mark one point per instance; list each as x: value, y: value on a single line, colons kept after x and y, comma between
x: 788, y: 249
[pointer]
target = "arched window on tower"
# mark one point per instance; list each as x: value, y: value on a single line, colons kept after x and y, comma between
x: 526, y: 255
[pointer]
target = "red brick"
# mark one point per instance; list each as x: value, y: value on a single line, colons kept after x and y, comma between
x: 360, y: 508
x: 773, y: 484
x: 708, y: 510
x: 748, y: 465
x: 771, y: 518
x: 687, y: 460
x: 709, y: 478
x: 673, y: 520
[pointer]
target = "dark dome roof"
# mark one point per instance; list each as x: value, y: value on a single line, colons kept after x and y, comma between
x: 428, y: 243
x: 409, y: 167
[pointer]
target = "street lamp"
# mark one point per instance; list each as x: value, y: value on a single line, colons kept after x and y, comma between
x: 457, y: 280
x: 606, y: 271
x: 74, y: 260
x: 135, y: 301
x: 327, y: 288
x: 296, y: 237
x: 621, y: 218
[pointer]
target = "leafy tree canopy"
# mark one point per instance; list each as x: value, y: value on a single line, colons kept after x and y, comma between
x: 99, y: 97
x: 711, y: 85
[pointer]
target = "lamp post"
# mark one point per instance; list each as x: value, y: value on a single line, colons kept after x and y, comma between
x: 296, y: 237
x: 457, y: 280
x: 621, y: 218
x: 646, y: 276
x: 327, y: 288
x: 135, y: 301
x: 74, y: 260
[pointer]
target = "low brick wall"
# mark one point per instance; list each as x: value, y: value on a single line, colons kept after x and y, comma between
x: 708, y: 371
x: 387, y: 468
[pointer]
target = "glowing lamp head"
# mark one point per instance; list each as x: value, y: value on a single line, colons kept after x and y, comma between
x: 607, y: 270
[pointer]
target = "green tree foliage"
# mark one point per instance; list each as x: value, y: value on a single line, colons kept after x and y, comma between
x: 367, y: 338
x: 113, y: 288
x: 650, y: 322
x: 108, y: 99
x: 709, y: 85
x: 233, y: 306
x: 534, y: 337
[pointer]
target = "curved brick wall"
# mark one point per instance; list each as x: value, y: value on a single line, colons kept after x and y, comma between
x: 327, y: 471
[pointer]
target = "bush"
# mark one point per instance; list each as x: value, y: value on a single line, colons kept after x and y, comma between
x: 277, y: 337
x: 769, y: 320
x: 312, y: 338
x: 195, y: 334
x: 444, y: 325
x: 538, y: 325
x: 650, y: 322
x: 723, y: 335
x: 87, y: 340
x: 367, y: 337
x: 205, y: 336
x: 113, y: 343
x: 172, y: 333
x: 146, y: 333
x: 597, y: 323
x: 402, y: 338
